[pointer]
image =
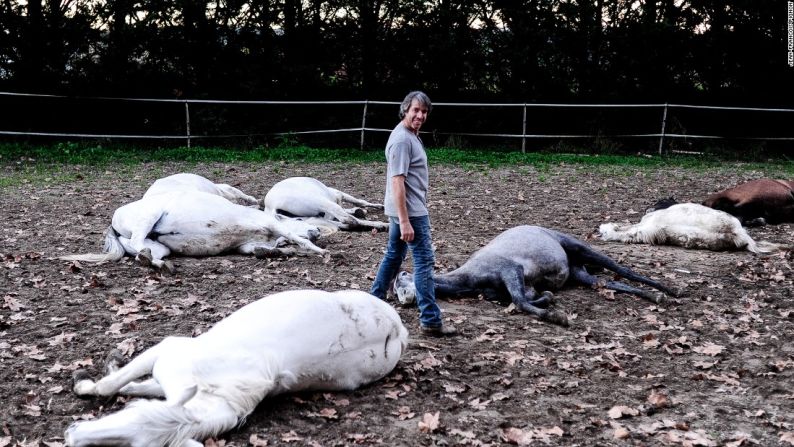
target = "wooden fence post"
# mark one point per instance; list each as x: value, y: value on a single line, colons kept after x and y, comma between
x: 524, y: 132
x: 664, y: 127
x: 187, y: 123
x: 364, y: 122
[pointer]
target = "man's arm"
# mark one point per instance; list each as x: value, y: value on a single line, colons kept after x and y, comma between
x: 400, y: 202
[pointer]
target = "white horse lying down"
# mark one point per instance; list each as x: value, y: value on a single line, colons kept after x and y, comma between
x: 290, y: 341
x: 307, y: 197
x: 688, y: 225
x: 193, y: 182
x: 192, y: 223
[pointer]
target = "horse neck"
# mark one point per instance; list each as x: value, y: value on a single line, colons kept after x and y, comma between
x: 453, y: 283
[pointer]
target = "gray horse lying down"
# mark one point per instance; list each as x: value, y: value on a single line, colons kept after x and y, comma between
x: 525, y: 259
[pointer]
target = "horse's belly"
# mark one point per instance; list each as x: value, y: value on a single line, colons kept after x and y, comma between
x: 210, y: 238
x: 302, y: 208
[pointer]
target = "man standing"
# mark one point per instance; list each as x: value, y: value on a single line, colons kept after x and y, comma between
x: 406, y: 205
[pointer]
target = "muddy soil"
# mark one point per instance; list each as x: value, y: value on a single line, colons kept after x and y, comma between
x: 713, y: 367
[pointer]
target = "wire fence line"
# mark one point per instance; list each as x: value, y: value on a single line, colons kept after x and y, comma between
x: 665, y: 132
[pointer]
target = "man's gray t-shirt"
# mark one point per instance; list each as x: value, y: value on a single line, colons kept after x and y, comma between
x: 405, y: 155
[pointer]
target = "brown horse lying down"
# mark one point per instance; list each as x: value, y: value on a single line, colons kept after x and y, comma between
x: 757, y: 202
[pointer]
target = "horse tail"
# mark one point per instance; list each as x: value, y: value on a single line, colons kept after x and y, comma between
x: 112, y: 251
x: 742, y: 240
x: 580, y: 253
x: 763, y: 247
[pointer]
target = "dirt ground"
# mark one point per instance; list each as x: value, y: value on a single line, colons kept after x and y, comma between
x: 713, y: 367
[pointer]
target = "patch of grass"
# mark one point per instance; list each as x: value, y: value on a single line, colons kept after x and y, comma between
x: 24, y: 162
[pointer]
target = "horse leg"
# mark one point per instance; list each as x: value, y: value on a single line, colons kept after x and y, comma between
x: 153, y: 251
x: 146, y: 388
x: 579, y: 274
x: 233, y: 194
x: 151, y: 254
x: 543, y: 301
x: 330, y: 209
x: 262, y: 250
x: 349, y: 220
x: 513, y: 279
x: 138, y: 367
x: 350, y: 199
x: 279, y: 229
x: 380, y: 226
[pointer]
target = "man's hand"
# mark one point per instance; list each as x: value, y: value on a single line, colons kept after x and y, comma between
x: 406, y: 231
x: 398, y: 190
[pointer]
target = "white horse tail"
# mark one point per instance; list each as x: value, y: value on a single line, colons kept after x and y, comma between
x: 764, y: 247
x: 112, y: 251
x: 742, y: 239
x: 147, y: 422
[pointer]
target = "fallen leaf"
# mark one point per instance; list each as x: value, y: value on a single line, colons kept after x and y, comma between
x: 787, y: 436
x: 127, y: 347
x: 690, y: 438
x: 291, y: 436
x: 32, y: 410
x: 479, y: 405
x: 328, y: 413
x: 256, y: 441
x: 13, y: 304
x: 60, y: 339
x: 704, y: 365
x: 429, y: 422
x: 620, y: 411
x: 404, y: 413
x: 450, y: 388
x: 393, y: 394
x: 710, y: 349
x: 658, y: 400
x: 516, y: 436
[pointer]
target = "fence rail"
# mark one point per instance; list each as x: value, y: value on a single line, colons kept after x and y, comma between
x: 188, y: 137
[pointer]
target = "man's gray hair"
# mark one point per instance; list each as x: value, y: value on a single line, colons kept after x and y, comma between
x: 409, y: 98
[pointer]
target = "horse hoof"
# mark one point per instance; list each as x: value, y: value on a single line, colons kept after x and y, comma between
x: 113, y: 361
x: 556, y: 318
x: 264, y: 253
x: 360, y: 213
x: 144, y: 257
x: 168, y: 267
x: 82, y: 383
x: 79, y: 375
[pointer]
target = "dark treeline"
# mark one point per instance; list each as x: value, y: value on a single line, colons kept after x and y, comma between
x: 697, y: 51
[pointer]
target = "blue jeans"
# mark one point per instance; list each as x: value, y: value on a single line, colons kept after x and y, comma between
x: 422, y: 252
